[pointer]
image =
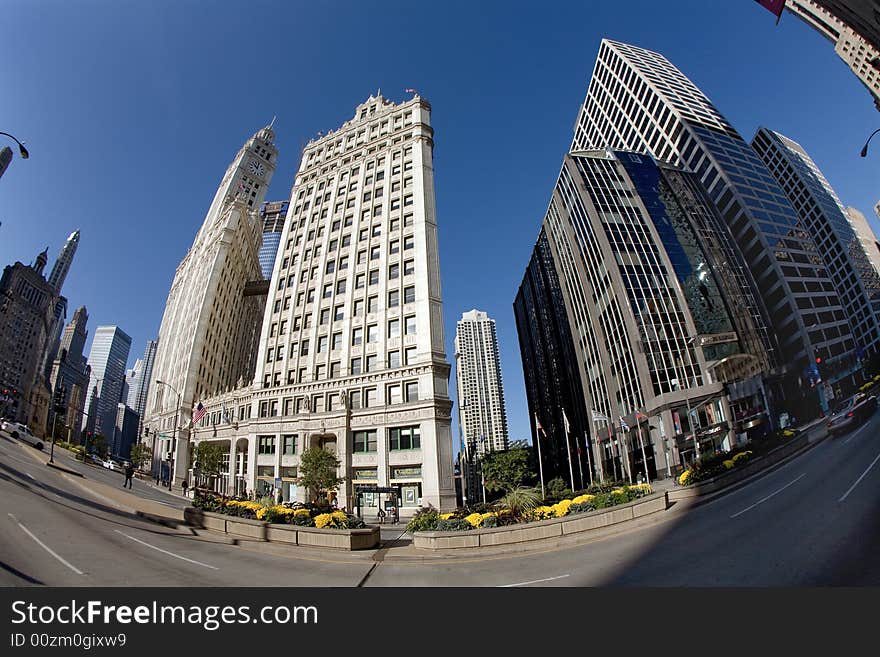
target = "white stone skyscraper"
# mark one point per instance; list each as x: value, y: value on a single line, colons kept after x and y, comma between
x: 481, y: 411
x: 352, y: 356
x: 209, y: 331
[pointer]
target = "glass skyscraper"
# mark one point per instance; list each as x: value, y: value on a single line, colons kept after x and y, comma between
x: 107, y: 358
x: 637, y: 100
x: 635, y: 298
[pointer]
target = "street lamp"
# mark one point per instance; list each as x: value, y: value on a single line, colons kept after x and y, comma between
x: 865, y: 147
x: 21, y: 148
x: 174, y: 434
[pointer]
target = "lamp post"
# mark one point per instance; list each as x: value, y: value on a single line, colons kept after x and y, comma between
x: 21, y: 149
x: 865, y: 147
x: 174, y: 434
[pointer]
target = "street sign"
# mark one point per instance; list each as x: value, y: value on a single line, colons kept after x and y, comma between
x: 277, y: 482
x: 368, y: 488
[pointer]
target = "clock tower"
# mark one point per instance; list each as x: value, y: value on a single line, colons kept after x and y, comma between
x: 210, y: 331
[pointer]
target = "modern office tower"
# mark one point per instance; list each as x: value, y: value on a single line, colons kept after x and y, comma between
x: 210, y: 330
x: 866, y: 236
x: 125, y: 432
x: 481, y: 410
x: 352, y: 355
x: 877, y: 209
x: 635, y: 310
x: 140, y: 383
x: 841, y: 27
x: 107, y: 358
x: 637, y: 100
x: 65, y: 260
x: 71, y: 370
x: 27, y: 305
x: 272, y: 215
x: 856, y: 283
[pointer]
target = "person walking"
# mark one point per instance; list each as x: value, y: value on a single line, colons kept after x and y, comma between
x: 129, y: 472
x: 184, y: 485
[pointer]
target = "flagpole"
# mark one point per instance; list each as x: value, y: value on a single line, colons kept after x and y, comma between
x: 568, y: 449
x: 615, y: 451
x: 540, y: 464
x: 581, y: 462
x: 642, y: 445
x: 570, y: 467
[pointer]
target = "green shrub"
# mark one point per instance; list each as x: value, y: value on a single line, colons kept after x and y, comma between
x: 489, y: 522
x: 424, y: 520
x: 450, y: 525
x: 582, y: 507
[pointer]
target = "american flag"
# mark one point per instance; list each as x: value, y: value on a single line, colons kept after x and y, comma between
x: 623, y: 425
x: 199, y: 413
x: 411, y: 91
x: 538, y: 424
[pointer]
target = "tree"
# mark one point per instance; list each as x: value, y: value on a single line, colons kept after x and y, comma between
x: 507, y: 470
x: 208, y: 458
x: 140, y: 455
x: 317, y: 472
x: 98, y: 445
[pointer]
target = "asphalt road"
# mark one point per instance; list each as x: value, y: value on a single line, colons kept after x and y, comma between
x: 815, y: 521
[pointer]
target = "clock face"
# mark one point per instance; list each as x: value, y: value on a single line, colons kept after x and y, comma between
x: 256, y: 167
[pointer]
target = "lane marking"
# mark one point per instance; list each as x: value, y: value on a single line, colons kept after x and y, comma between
x: 30, y: 475
x: 47, y: 548
x: 176, y: 556
x: 534, y: 581
x: 768, y: 497
x: 855, y: 433
x: 859, y: 479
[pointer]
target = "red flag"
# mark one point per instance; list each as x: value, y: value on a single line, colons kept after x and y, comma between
x: 773, y: 6
x: 540, y: 428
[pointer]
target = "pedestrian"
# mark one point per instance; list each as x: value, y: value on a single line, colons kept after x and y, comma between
x: 184, y: 485
x: 129, y: 472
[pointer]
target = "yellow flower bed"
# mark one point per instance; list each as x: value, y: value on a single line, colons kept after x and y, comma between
x: 561, y: 508
x: 685, y: 478
x: 446, y: 516
x: 742, y: 456
x: 582, y: 499
x: 729, y: 464
x: 245, y: 504
x: 299, y: 513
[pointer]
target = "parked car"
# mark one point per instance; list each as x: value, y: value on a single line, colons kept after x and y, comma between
x: 110, y: 464
x: 851, y: 413
x: 21, y: 432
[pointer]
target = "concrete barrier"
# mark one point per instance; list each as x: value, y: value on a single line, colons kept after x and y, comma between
x: 341, y: 539
x: 743, y: 472
x: 544, y: 529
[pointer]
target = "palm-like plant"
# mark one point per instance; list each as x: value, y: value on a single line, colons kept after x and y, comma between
x: 520, y: 501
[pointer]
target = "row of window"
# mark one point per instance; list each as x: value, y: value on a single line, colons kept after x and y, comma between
x: 359, y: 365
x: 398, y: 438
x: 395, y: 393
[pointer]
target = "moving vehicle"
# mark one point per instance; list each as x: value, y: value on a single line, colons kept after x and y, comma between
x: 852, y: 413
x: 110, y: 464
x: 21, y: 432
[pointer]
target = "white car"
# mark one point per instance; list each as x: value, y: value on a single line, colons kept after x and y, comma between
x: 20, y: 431
x: 110, y: 464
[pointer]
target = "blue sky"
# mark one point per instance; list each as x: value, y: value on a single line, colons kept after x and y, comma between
x: 132, y: 111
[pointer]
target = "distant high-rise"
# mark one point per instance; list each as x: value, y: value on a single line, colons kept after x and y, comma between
x: 856, y: 283
x: 272, y: 215
x: 65, y: 260
x: 843, y: 27
x: 866, y: 235
x: 210, y: 330
x: 107, y: 358
x: 481, y: 410
x: 27, y: 315
x: 140, y: 384
x: 636, y: 309
x: 70, y: 368
x: 637, y: 100
x: 56, y: 280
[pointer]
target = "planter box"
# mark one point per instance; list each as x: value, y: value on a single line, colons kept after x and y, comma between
x: 246, y: 527
x: 342, y: 539
x: 544, y: 529
x: 743, y: 472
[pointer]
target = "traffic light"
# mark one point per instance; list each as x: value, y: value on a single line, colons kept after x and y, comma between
x: 818, y: 360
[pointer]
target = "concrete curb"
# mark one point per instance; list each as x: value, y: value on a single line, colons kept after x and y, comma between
x: 63, y: 469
